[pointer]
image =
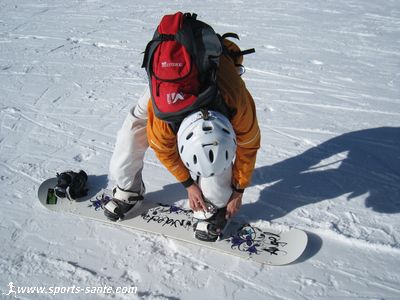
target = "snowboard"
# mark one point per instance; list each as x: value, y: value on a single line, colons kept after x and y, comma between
x: 269, y: 246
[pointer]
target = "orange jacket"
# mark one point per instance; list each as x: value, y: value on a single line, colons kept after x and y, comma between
x: 234, y: 92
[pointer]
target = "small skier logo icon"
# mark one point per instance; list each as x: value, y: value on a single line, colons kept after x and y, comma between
x: 172, y: 98
x: 12, y: 290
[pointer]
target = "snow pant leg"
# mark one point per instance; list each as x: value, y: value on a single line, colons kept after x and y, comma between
x: 127, y: 160
x: 140, y: 110
x: 217, y: 189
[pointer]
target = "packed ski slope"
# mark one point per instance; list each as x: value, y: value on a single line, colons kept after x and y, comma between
x: 326, y: 81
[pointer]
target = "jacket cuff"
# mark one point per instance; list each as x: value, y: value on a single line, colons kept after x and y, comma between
x: 237, y: 189
x: 188, y: 182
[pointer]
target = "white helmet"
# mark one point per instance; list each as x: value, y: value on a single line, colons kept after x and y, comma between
x: 206, y: 143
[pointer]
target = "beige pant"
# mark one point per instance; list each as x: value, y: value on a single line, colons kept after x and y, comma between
x: 127, y: 160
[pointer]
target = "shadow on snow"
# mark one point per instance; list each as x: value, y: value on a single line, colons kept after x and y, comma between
x: 356, y: 163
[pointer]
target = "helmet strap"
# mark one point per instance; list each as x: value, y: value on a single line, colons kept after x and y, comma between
x: 205, y: 113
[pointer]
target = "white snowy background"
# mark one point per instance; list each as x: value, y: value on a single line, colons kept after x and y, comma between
x: 326, y: 81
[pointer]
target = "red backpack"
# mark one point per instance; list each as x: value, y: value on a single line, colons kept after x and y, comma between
x: 181, y: 62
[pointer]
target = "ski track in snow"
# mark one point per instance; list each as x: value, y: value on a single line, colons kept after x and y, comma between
x: 325, y: 79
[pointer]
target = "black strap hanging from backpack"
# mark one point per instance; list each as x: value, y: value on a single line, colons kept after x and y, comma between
x: 235, y: 53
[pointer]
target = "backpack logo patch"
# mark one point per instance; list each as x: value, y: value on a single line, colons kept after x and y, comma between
x: 172, y: 98
x: 165, y: 64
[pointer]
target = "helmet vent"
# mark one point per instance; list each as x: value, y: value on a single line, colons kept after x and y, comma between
x: 182, y: 149
x: 195, y: 159
x: 226, y: 131
x: 189, y: 136
x: 211, y: 156
x: 207, y: 128
x: 226, y: 155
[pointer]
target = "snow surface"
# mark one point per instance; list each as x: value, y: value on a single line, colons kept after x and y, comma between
x: 326, y: 81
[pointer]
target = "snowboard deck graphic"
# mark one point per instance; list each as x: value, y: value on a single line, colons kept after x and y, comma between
x: 272, y: 246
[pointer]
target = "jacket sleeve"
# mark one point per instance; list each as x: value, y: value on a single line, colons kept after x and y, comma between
x: 248, y: 140
x: 244, y: 121
x: 162, y: 140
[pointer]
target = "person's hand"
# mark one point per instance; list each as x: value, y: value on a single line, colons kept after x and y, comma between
x: 196, y: 201
x: 234, y: 204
